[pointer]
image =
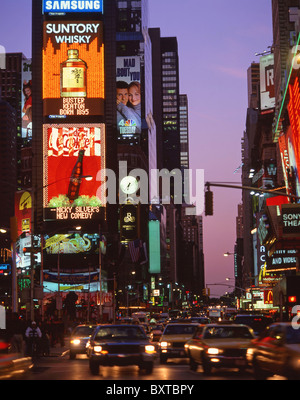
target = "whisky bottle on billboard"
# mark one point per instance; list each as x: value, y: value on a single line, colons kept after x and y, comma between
x: 73, y: 76
x: 75, y: 179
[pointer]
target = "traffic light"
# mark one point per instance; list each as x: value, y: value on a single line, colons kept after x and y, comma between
x: 209, y: 199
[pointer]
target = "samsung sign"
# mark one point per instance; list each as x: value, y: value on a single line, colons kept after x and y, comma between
x: 57, y: 6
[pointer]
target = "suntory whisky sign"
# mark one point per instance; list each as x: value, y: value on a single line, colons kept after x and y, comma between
x: 73, y: 69
x: 63, y: 6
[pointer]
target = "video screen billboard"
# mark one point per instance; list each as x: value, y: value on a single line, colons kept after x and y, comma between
x: 73, y: 158
x: 129, y: 109
x: 73, y: 243
x: 73, y: 68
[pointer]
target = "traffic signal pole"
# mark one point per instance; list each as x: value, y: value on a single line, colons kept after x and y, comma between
x: 250, y: 188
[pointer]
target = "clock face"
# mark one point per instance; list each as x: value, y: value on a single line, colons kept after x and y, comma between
x: 129, y: 185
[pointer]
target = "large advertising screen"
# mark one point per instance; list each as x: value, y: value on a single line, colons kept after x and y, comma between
x: 26, y: 105
x: 74, y: 156
x: 73, y: 69
x: 73, y: 243
x: 129, y: 108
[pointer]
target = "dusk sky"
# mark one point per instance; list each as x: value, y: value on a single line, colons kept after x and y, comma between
x: 217, y: 42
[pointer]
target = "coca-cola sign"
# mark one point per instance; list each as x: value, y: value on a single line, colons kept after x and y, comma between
x: 73, y: 159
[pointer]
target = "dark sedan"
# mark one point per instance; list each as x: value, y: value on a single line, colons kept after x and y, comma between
x: 79, y: 339
x: 120, y: 345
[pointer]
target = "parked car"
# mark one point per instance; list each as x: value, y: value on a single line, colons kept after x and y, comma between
x: 257, y: 322
x: 120, y: 345
x: 219, y: 346
x: 276, y: 351
x: 173, y: 339
x: 79, y: 339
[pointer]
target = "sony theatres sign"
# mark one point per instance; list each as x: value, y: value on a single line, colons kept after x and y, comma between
x: 291, y: 219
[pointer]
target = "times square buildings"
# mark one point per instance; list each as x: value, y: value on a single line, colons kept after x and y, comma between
x: 144, y: 245
x: 268, y: 250
x: 73, y: 127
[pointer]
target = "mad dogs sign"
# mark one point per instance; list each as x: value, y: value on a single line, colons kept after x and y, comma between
x: 56, y: 6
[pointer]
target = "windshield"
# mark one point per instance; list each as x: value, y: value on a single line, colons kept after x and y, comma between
x: 293, y: 335
x: 120, y: 332
x: 83, y: 331
x: 257, y: 323
x: 229, y: 332
x: 180, y: 330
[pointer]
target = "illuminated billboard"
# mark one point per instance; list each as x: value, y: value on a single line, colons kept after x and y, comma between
x: 292, y: 137
x: 62, y: 6
x: 23, y: 211
x: 26, y: 104
x: 129, y: 108
x: 74, y: 156
x: 73, y: 243
x: 267, y: 87
x: 154, y: 247
x: 73, y: 69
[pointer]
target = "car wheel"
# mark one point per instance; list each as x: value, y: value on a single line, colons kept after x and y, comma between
x: 148, y: 367
x: 193, y: 364
x: 163, y: 359
x: 259, y: 373
x: 72, y: 355
x: 94, y: 368
x: 206, y: 367
x: 290, y: 373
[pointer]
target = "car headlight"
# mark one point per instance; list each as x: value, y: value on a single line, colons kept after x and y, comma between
x: 150, y: 349
x: 250, y: 352
x: 97, y: 349
x: 213, y: 351
x: 164, y: 344
x: 75, y: 341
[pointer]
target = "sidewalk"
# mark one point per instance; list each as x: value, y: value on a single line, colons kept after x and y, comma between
x: 58, y: 350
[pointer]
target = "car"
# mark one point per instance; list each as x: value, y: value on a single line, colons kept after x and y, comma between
x: 79, y: 339
x: 155, y: 332
x: 120, y: 345
x: 276, y: 352
x: 175, y: 335
x: 220, y: 346
x: 4, y: 343
x: 200, y: 320
x: 257, y: 322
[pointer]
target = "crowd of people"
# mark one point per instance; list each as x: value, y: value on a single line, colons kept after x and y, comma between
x: 23, y: 335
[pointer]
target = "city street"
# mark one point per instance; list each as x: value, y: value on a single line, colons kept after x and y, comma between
x: 62, y: 368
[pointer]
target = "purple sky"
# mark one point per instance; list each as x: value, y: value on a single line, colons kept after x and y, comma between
x: 217, y: 42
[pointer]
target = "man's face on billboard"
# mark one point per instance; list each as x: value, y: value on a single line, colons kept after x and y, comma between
x: 122, y: 96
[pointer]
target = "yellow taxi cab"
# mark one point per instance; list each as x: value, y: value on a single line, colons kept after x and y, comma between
x: 172, y: 341
x: 220, y: 346
x: 276, y: 352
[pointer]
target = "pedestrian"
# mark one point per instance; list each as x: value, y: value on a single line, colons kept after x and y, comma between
x: 15, y: 329
x: 33, y: 337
